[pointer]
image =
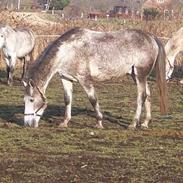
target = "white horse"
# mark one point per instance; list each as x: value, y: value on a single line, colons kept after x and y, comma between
x: 15, y: 43
x: 172, y: 48
x: 88, y: 56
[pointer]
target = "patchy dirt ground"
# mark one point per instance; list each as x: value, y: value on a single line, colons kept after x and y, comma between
x: 33, y: 18
x: 86, y: 155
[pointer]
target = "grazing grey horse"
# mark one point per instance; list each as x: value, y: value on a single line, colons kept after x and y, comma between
x: 16, y: 43
x: 172, y: 48
x: 88, y: 56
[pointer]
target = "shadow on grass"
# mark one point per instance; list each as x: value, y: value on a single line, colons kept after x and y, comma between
x: 14, y: 114
x: 3, y: 73
x: 3, y: 78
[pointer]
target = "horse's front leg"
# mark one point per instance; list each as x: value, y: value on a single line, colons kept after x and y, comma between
x: 68, y: 87
x: 25, y: 61
x: 90, y: 91
x: 24, y: 68
x: 141, y: 97
x: 10, y: 64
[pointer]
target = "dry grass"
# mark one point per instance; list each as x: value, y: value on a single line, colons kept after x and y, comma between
x: 159, y: 28
x: 83, y: 154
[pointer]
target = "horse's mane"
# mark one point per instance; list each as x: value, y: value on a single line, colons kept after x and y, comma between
x: 38, y: 70
x: 41, y: 67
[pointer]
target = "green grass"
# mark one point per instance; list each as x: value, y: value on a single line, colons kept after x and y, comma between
x: 82, y: 153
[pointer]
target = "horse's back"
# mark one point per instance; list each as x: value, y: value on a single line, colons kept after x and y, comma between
x: 18, y: 41
x: 175, y: 44
x: 121, y: 45
x: 25, y: 41
x: 107, y: 54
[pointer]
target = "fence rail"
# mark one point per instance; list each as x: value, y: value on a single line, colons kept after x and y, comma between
x: 43, y: 41
x: 47, y: 35
x: 57, y: 35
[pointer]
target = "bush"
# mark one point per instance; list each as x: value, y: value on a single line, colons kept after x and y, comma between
x: 151, y: 13
x: 59, y: 4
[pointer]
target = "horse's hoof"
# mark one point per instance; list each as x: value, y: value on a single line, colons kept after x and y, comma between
x: 63, y: 125
x: 181, y: 81
x: 132, y: 127
x: 10, y: 83
x: 144, y: 126
x: 99, y: 126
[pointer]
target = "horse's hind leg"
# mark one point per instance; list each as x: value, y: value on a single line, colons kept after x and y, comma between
x: 90, y: 91
x: 147, y: 107
x: 141, y: 89
x: 67, y: 85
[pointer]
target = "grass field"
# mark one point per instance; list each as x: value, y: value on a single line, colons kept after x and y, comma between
x: 82, y: 153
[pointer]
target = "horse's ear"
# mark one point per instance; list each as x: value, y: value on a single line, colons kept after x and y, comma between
x: 4, y: 29
x: 28, y: 83
x: 25, y: 84
x: 31, y: 83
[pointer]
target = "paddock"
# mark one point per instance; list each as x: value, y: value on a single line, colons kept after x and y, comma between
x: 82, y: 153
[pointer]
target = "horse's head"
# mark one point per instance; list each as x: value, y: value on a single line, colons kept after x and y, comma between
x: 35, y: 103
x: 2, y: 37
x: 170, y: 58
x: 169, y: 67
x: 172, y: 48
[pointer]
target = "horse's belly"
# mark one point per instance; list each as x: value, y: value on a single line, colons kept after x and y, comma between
x: 23, y: 50
x: 23, y: 53
x: 102, y: 73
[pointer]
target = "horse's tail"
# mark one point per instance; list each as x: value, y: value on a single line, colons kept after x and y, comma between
x: 160, y: 78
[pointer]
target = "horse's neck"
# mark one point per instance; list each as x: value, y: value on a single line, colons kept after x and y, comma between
x: 9, y: 31
x: 42, y: 81
x: 43, y: 84
x: 10, y: 35
x: 48, y: 81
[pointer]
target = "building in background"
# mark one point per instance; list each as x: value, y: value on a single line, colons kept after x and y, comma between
x: 165, y: 7
x: 100, y: 8
x: 128, y: 9
x: 161, y: 5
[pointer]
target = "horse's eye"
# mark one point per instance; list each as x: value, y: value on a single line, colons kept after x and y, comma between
x: 2, y: 35
x: 31, y: 100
